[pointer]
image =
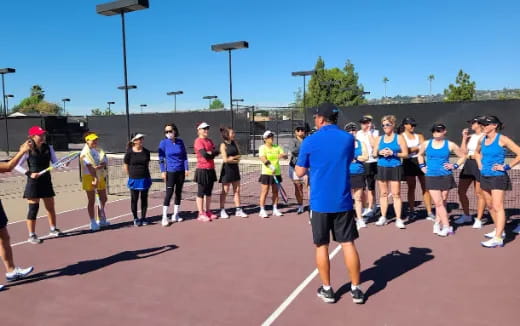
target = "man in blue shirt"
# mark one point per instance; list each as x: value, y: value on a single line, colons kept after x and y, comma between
x: 327, y: 155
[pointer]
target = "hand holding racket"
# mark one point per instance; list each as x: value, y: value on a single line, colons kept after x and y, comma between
x: 281, y: 190
x: 64, y: 161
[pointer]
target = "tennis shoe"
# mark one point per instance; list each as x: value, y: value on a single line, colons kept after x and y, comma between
x: 463, y: 219
x: 431, y: 217
x: 300, y: 210
x: 94, y: 226
x: 164, y: 221
x: 240, y: 213
x: 326, y: 295
x: 203, y: 218
x: 103, y: 222
x: 137, y: 222
x: 55, y: 233
x: 18, y: 273
x: 144, y: 221
x: 176, y: 218
x: 360, y: 223
x: 436, y: 228
x: 517, y: 229
x: 1, y: 287
x: 33, y: 239
x: 357, y: 296
x: 399, y: 224
x: 477, y: 224
x: 211, y: 216
x: 277, y: 212
x: 223, y: 214
x: 263, y: 214
x: 493, y: 243
x: 381, y: 221
x: 492, y: 234
x: 444, y: 231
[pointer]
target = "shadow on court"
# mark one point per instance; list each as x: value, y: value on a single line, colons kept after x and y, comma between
x: 88, y: 266
x: 388, y: 268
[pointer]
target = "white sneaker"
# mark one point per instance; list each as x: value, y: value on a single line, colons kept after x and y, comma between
x: 381, y: 221
x: 431, y: 217
x: 277, y: 212
x: 300, y: 210
x: 477, y: 224
x: 445, y: 230
x: 360, y: 223
x: 164, y: 221
x: 176, y: 218
x: 493, y: 243
x: 436, y: 228
x: 517, y: 229
x: 18, y: 273
x: 399, y: 224
x: 463, y: 219
x: 492, y: 234
x: 240, y: 213
x: 263, y: 214
x: 1, y: 287
x: 368, y: 212
x: 223, y: 214
x: 94, y: 226
x: 103, y: 222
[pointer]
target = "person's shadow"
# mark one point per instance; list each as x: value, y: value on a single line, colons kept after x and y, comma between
x: 87, y: 266
x: 389, y: 267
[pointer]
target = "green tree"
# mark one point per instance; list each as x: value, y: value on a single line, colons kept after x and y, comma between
x: 385, y: 81
x: 35, y: 103
x: 216, y: 104
x: 338, y: 86
x: 96, y: 111
x: 431, y: 78
x: 38, y: 92
x: 464, y: 90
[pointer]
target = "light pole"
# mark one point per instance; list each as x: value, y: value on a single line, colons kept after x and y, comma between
x: 209, y: 98
x: 4, y: 71
x: 304, y: 74
x: 126, y: 88
x: 236, y: 100
x: 109, y: 103
x: 7, y: 96
x: 229, y: 47
x: 175, y: 98
x: 143, y: 106
x: 65, y: 100
x: 121, y: 7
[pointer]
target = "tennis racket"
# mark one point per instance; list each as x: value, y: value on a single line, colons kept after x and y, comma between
x: 61, y: 162
x: 281, y: 191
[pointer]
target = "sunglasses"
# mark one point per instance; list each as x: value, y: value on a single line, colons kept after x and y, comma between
x: 168, y: 131
x: 300, y: 129
x: 386, y: 125
x: 207, y: 128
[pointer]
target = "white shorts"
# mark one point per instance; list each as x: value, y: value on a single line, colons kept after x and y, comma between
x: 294, y: 178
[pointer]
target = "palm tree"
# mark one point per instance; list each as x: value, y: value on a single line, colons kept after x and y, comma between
x: 430, y: 79
x: 38, y: 92
x: 385, y: 81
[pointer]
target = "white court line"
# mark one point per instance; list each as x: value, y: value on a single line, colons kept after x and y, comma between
x: 296, y: 292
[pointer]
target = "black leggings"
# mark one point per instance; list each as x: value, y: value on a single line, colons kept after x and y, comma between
x: 174, y: 181
x: 134, y: 197
x: 204, y: 190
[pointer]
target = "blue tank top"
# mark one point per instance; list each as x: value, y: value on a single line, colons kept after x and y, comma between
x: 357, y: 167
x: 391, y: 161
x: 435, y: 159
x: 492, y: 154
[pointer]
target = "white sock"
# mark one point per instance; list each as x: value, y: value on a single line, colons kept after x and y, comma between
x: 31, y: 234
x: 238, y: 209
x: 53, y: 228
x: 275, y: 207
x: 262, y: 208
x: 326, y: 287
x: 165, y: 211
x: 353, y: 287
x: 176, y: 209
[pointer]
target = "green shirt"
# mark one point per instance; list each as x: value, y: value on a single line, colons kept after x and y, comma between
x: 272, y: 154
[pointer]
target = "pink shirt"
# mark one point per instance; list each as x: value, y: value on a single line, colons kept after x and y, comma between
x: 207, y: 145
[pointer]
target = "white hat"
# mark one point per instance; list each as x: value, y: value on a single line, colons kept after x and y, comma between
x: 202, y: 125
x: 137, y: 136
x: 267, y: 134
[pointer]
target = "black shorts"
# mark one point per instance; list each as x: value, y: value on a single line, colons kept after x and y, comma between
x: 444, y: 182
x: 411, y: 167
x: 370, y: 175
x: 389, y: 174
x: 470, y: 170
x: 268, y: 179
x: 342, y: 225
x: 3, y: 217
x: 501, y: 182
x: 204, y: 190
x: 357, y: 181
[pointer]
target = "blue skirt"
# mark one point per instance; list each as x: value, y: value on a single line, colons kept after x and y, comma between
x: 139, y: 184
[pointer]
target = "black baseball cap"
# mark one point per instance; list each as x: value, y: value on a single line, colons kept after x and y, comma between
x: 366, y: 118
x: 475, y: 119
x: 351, y: 126
x: 489, y: 119
x: 409, y: 121
x: 327, y: 110
x: 439, y: 127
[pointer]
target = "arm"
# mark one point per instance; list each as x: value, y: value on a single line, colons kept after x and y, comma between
x: 464, y: 142
x: 478, y: 156
x: 364, y: 153
x: 162, y: 157
x: 303, y: 164
x: 375, y: 152
x: 54, y: 159
x: 185, y: 158
x: 420, y: 156
x: 9, y: 166
x: 513, y: 147
x: 19, y: 167
x: 404, y: 148
x: 460, y: 154
x: 126, y: 163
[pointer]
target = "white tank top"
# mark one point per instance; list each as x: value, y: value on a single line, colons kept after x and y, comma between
x: 363, y: 137
x: 473, y: 143
x: 412, y: 143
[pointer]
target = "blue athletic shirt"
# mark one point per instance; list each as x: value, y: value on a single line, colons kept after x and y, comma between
x: 357, y: 167
x: 492, y: 154
x: 327, y: 154
x: 390, y: 161
x: 172, y: 155
x: 435, y: 159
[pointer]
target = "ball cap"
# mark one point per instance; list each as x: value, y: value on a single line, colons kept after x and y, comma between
x: 409, y: 121
x: 475, y: 119
x: 36, y: 131
x: 91, y: 136
x: 366, y: 118
x: 202, y: 125
x: 351, y: 126
x: 267, y: 134
x: 137, y: 136
x: 489, y: 119
x: 438, y: 127
x: 327, y: 110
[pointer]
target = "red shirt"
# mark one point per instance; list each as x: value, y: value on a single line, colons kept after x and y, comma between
x: 207, y: 145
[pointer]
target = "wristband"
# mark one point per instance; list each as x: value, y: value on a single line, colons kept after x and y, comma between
x: 28, y: 173
x: 267, y: 163
x: 455, y: 166
x: 422, y: 165
x: 507, y: 167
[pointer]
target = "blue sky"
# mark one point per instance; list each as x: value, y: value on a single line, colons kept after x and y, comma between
x: 73, y: 52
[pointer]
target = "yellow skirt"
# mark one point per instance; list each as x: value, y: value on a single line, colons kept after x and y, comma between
x: 87, y: 183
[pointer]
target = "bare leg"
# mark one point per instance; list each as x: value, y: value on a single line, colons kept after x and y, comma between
x: 351, y: 257
x: 51, y: 211
x: 200, y: 202
x: 236, y: 193
x: 383, y: 197
x: 463, y: 197
x: 358, y: 205
x: 497, y: 197
x: 323, y: 263
x: 263, y: 194
x: 298, y: 192
x: 411, y: 182
x: 489, y: 203
x: 6, y: 253
x: 395, y: 187
x: 223, y: 193
x: 426, y: 195
x: 481, y: 203
x: 441, y: 212
x: 274, y: 189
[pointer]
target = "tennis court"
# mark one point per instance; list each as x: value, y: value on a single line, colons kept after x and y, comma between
x: 250, y: 271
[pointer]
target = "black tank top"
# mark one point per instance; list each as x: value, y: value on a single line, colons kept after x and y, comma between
x: 231, y: 149
x: 39, y: 159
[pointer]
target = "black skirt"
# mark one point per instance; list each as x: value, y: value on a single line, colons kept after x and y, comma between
x: 501, y: 182
x: 205, y: 176
x: 357, y: 181
x: 470, y: 170
x: 229, y: 173
x: 444, y: 182
x: 411, y: 167
x: 268, y: 179
x: 40, y: 187
x: 389, y: 174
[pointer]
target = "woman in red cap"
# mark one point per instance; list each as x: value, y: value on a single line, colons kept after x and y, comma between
x: 38, y: 187
x: 205, y: 175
